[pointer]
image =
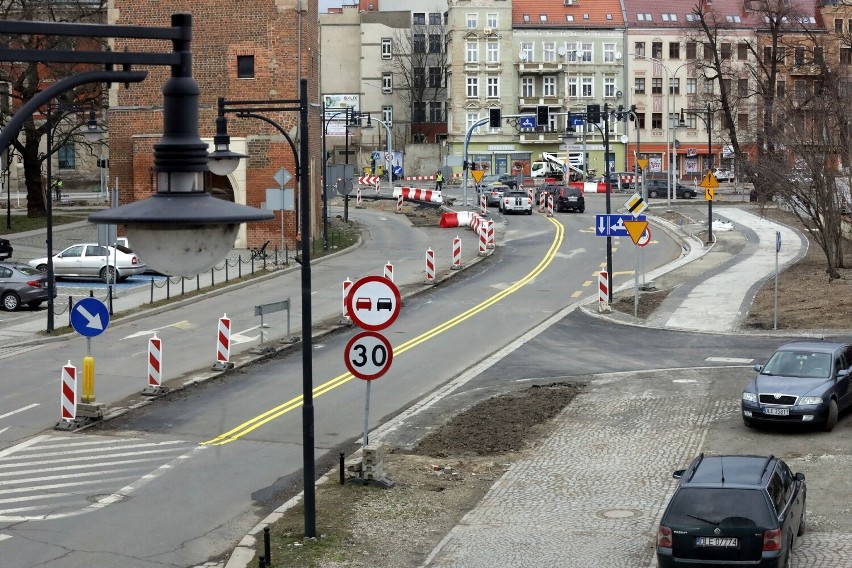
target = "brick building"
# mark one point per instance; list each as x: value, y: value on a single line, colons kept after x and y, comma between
x: 248, y: 51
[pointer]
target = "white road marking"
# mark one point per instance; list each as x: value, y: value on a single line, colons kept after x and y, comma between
x: 238, y: 337
x: 183, y: 324
x: 5, y: 537
x: 18, y: 410
x: 728, y: 360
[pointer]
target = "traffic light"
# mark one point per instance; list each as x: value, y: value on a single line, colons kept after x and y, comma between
x: 494, y: 118
x: 593, y: 113
x: 543, y: 115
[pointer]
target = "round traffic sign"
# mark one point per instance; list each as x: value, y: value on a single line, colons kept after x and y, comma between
x: 373, y: 302
x: 645, y: 238
x: 89, y: 317
x: 368, y: 355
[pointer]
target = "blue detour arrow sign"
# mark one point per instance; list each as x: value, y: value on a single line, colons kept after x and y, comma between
x: 89, y: 317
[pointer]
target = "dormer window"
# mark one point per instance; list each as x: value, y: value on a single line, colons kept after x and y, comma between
x: 569, y: 17
x: 526, y: 18
x: 542, y: 17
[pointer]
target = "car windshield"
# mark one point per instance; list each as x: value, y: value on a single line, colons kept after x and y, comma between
x: 489, y: 179
x: 719, y: 506
x: 798, y: 364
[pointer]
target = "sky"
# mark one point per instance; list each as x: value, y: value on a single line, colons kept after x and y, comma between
x: 324, y: 4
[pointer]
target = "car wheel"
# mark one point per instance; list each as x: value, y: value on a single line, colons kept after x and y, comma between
x: 529, y: 211
x: 581, y: 210
x: 108, y: 274
x: 42, y: 267
x: 801, y: 530
x: 831, y: 419
x: 11, y: 301
x: 34, y: 303
x: 652, y: 193
x: 748, y: 422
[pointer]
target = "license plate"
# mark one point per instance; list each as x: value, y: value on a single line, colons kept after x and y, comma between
x: 572, y: 199
x: 777, y: 411
x: 721, y: 542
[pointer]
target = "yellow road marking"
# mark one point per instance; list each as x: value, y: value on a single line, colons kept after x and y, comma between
x: 296, y: 402
x: 576, y: 294
x: 587, y: 283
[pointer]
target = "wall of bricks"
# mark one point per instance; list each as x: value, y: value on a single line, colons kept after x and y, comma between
x: 223, y: 30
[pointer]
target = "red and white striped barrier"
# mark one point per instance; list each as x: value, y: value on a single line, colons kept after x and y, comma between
x: 456, y: 254
x: 417, y: 194
x: 369, y: 180
x: 360, y: 202
x: 475, y: 222
x: 489, y: 231
x: 451, y: 219
x: 531, y: 194
x: 155, y: 359
x: 346, y: 284
x: 483, y: 204
x: 399, y: 200
x: 430, y: 266
x: 388, y: 271
x: 589, y: 186
x: 223, y: 343
x: 378, y: 185
x: 483, y: 240
x: 542, y: 198
x: 68, y: 396
x: 428, y: 178
x: 603, y: 291
x: 550, y: 205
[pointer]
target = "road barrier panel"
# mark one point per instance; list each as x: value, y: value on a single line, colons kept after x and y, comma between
x: 456, y: 254
x: 223, y: 345
x: 430, y: 266
x: 155, y: 368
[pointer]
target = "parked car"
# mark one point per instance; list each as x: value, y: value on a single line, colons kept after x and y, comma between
x: 658, y: 188
x: 723, y: 175
x: 21, y: 284
x: 110, y: 264
x: 803, y: 382
x: 6, y: 249
x: 493, y: 193
x: 733, y: 511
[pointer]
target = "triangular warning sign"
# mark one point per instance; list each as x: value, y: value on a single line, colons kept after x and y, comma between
x: 477, y: 175
x: 709, y: 180
x: 635, y: 229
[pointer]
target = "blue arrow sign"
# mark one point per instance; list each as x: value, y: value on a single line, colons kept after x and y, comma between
x: 397, y: 170
x: 528, y: 121
x: 89, y: 317
x: 613, y: 225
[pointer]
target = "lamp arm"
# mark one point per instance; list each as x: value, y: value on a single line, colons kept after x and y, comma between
x: 283, y: 133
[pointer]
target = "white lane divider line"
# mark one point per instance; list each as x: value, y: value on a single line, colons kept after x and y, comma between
x: 23, y: 409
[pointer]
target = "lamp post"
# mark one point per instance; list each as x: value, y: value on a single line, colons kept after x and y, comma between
x: 707, y: 119
x: 351, y: 119
x: 466, y: 163
x: 389, y: 153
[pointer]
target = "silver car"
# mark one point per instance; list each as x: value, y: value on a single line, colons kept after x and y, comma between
x: 21, y: 284
x: 110, y: 264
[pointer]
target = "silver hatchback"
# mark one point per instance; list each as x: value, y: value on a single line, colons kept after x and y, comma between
x: 21, y: 285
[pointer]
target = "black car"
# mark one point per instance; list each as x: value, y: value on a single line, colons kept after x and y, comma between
x: 733, y: 511
x: 5, y: 249
x: 658, y: 188
x: 803, y: 382
x: 567, y: 198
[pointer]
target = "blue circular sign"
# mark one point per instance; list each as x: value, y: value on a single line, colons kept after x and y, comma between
x: 89, y: 317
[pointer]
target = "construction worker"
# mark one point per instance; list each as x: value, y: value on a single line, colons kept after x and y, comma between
x: 57, y: 188
x: 439, y: 181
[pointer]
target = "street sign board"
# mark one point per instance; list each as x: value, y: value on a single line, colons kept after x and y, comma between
x: 709, y: 194
x: 613, y: 225
x: 477, y: 175
x: 528, y: 121
x: 397, y: 170
x: 636, y: 205
x: 282, y: 176
x: 368, y: 355
x: 373, y: 302
x: 645, y: 238
x: 709, y: 180
x: 777, y: 241
x: 642, y: 163
x: 89, y: 317
x: 636, y: 230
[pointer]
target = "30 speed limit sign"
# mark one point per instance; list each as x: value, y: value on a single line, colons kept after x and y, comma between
x: 368, y: 355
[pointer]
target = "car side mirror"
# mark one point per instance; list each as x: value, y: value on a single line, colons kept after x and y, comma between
x: 758, y: 368
x: 678, y: 473
x: 800, y: 476
x: 842, y: 373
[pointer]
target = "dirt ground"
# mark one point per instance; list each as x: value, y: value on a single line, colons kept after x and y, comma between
x: 451, y: 470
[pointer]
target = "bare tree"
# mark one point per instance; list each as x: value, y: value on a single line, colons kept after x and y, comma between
x: 418, y: 64
x: 25, y: 80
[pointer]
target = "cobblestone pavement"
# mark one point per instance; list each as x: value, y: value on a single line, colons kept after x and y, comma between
x: 592, y: 494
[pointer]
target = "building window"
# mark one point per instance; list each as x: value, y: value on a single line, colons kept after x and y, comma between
x: 639, y: 85
x: 527, y: 51
x: 492, y: 85
x: 640, y: 120
x: 387, y: 48
x: 418, y: 77
x: 656, y: 85
x: 767, y: 55
x: 781, y: 89
x: 838, y: 26
x: 708, y: 86
x: 492, y: 49
x: 742, y: 87
x: 674, y: 86
x: 708, y: 51
x: 691, y: 50
x: 691, y: 86
x: 691, y: 121
x: 472, y: 118
x: 639, y: 48
x: 419, y: 43
x: 573, y: 86
x: 434, y: 43
x: 799, y: 56
x: 436, y: 111
x: 387, y: 115
x: 419, y: 112
x: 548, y: 50
x: 491, y: 20
x: 435, y: 75
x: 419, y: 18
x: 472, y: 87
x: 726, y: 50
x: 742, y: 51
x: 742, y: 122
x: 587, y: 53
x: 435, y: 19
x: 657, y: 49
x: 245, y: 66
x: 471, y: 52
x: 571, y: 52
x: 472, y: 21
x: 846, y: 55
x: 542, y: 17
x: 548, y: 87
x: 674, y: 50
x: 656, y: 120
x: 66, y: 156
x: 586, y: 86
x: 609, y: 87
x: 818, y: 55
x: 726, y: 85
x: 609, y: 52
x: 527, y: 87
x: 387, y: 82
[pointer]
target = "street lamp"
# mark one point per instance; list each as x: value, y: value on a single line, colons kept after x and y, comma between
x: 707, y: 119
x: 351, y: 119
x: 389, y: 153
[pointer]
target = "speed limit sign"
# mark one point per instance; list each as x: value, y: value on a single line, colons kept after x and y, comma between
x: 368, y: 355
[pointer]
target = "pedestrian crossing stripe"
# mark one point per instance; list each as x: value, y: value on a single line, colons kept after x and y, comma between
x: 636, y: 205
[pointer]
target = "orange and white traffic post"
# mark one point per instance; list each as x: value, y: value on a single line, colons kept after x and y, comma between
x: 430, y: 266
x: 456, y: 265
x: 603, y: 291
x: 68, y: 396
x: 155, y: 367
x: 223, y: 344
x: 388, y: 271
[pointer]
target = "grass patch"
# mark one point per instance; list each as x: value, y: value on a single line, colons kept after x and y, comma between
x: 22, y: 223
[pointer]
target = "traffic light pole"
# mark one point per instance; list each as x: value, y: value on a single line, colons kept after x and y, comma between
x: 466, y: 162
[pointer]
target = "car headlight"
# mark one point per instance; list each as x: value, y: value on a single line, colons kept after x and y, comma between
x: 750, y: 397
x: 809, y: 400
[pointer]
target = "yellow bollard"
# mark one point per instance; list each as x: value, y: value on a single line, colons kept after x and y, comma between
x: 88, y: 395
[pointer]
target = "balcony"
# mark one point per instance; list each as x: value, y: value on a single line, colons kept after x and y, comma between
x: 548, y: 68
x: 536, y: 101
x: 541, y: 137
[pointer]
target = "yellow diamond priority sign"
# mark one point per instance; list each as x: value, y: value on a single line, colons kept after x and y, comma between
x: 636, y: 205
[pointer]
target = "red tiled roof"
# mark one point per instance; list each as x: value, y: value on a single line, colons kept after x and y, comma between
x: 724, y: 9
x: 587, y: 13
